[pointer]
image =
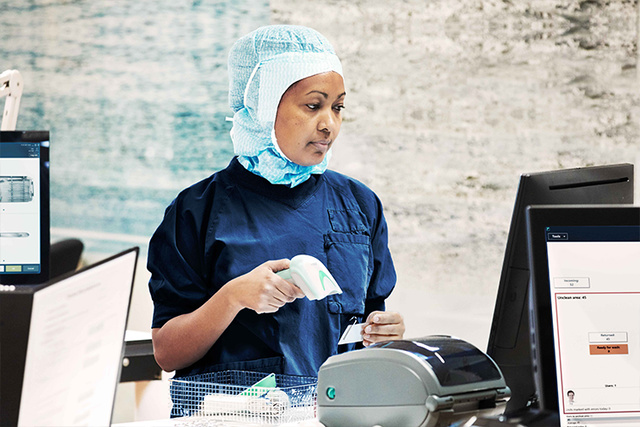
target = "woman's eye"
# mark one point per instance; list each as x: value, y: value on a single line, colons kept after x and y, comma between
x: 313, y: 106
x: 339, y: 108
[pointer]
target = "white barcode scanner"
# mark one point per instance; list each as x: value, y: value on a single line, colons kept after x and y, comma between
x: 310, y: 275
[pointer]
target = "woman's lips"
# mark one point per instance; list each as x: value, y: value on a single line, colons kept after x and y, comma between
x: 322, y: 144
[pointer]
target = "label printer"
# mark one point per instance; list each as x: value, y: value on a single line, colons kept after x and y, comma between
x: 429, y: 382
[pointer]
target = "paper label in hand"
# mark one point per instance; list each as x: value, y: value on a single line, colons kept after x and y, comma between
x: 352, y: 334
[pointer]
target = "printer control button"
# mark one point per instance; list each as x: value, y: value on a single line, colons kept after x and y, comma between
x: 331, y: 393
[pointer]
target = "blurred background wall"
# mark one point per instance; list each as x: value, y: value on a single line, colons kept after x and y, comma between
x: 449, y: 101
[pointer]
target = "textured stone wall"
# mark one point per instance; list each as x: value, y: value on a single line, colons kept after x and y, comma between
x: 449, y: 101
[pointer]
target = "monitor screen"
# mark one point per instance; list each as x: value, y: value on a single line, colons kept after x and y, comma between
x: 586, y: 321
x: 24, y: 207
x: 509, y: 344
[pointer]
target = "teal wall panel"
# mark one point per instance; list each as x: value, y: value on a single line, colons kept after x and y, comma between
x: 135, y: 96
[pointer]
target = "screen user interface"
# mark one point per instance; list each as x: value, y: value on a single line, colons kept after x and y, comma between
x: 594, y: 279
x: 20, y: 241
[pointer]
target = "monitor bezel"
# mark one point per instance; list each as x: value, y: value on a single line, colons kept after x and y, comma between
x: 538, y: 218
x: 45, y: 222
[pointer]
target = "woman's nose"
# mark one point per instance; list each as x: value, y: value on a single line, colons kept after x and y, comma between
x: 327, y: 124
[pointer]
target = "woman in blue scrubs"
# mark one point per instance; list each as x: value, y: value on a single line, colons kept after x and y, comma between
x: 218, y: 303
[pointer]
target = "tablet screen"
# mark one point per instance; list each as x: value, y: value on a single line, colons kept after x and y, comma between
x: 24, y: 207
x: 593, y: 312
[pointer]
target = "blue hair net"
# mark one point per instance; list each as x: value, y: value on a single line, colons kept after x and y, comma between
x: 262, y: 66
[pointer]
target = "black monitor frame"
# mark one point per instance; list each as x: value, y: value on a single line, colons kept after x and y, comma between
x: 43, y: 138
x: 509, y: 341
x: 538, y: 218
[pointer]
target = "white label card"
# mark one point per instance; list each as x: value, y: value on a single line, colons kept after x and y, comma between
x: 352, y: 334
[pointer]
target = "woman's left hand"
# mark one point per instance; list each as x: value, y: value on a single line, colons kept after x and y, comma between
x: 382, y: 326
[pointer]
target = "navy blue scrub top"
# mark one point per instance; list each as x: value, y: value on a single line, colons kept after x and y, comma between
x: 233, y: 221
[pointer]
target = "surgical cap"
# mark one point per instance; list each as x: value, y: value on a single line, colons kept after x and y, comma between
x: 262, y: 66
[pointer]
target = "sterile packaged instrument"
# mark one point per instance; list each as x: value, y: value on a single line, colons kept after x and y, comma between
x: 244, y: 397
x: 310, y: 275
x: 430, y: 382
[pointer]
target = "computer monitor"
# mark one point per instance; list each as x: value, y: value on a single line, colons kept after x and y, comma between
x: 509, y: 342
x: 24, y: 207
x: 61, y: 345
x: 586, y: 317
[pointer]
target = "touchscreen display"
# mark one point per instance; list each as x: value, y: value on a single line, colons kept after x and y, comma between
x: 20, y: 209
x: 594, y: 280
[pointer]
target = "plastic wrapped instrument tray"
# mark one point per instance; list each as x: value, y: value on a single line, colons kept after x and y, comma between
x: 232, y: 396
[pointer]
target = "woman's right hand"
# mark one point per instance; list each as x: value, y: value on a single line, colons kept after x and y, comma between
x: 262, y: 290
x: 186, y: 338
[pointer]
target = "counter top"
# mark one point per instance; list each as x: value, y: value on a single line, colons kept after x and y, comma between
x: 198, y: 422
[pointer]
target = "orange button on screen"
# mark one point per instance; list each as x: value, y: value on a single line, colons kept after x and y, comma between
x: 609, y: 349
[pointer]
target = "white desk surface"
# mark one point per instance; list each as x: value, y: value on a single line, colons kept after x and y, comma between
x: 195, y: 422
x: 131, y: 335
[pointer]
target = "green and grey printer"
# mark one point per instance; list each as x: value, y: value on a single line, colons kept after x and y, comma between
x: 429, y: 382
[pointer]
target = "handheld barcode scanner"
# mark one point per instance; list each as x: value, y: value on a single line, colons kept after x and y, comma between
x: 310, y: 275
